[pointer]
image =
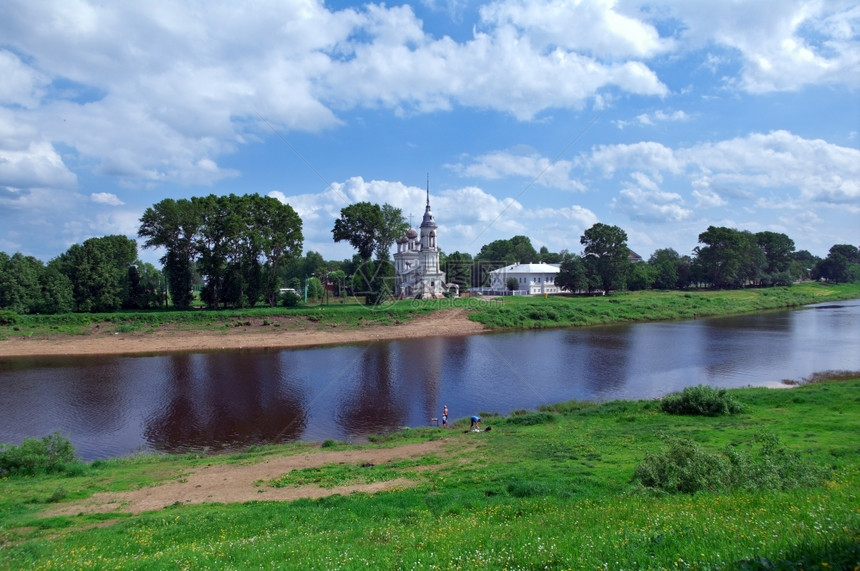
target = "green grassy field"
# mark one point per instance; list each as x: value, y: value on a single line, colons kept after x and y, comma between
x: 552, y: 488
x: 500, y: 313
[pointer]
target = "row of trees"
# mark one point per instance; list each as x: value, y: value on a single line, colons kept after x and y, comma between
x: 724, y: 258
x: 236, y: 244
x: 239, y: 250
x: 102, y: 274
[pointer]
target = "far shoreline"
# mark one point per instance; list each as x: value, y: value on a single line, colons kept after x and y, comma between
x: 442, y: 323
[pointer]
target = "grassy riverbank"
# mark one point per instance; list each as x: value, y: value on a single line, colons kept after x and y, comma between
x: 550, y: 488
x: 496, y: 313
x: 621, y: 307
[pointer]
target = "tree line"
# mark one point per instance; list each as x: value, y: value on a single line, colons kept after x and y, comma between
x: 237, y: 251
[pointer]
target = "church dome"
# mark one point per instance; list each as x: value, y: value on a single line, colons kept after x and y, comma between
x: 412, y: 234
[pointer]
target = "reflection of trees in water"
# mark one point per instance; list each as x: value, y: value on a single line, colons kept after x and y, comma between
x: 372, y: 407
x: 227, y: 400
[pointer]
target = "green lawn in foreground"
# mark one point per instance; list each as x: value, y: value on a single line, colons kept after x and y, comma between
x: 543, y: 489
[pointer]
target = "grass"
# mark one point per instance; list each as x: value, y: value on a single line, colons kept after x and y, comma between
x: 552, y: 488
x: 528, y: 312
x: 506, y: 313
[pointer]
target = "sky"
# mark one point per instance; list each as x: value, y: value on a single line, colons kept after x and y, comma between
x: 527, y: 118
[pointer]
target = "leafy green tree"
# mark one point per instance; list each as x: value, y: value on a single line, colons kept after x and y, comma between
x: 359, y: 224
x: 572, y: 275
x: 842, y: 264
x: 280, y: 229
x: 512, y: 284
x: 20, y: 290
x: 665, y: 263
x: 57, y: 290
x: 98, y: 270
x: 640, y: 277
x: 458, y: 269
x: 729, y: 257
x: 394, y: 226
x: 547, y: 257
x: 778, y: 250
x: 802, y: 265
x: 172, y: 225
x: 606, y: 255
x: 500, y: 253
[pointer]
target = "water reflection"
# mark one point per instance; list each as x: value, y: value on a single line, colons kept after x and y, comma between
x: 220, y: 401
x: 111, y: 406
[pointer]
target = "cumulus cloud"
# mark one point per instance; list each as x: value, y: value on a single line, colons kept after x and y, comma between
x: 783, y: 44
x: 524, y: 163
x: 106, y: 198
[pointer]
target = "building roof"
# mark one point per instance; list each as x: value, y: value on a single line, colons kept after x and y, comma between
x: 539, y: 268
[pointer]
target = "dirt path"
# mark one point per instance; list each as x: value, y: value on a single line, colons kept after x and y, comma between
x: 225, y: 483
x: 257, y: 336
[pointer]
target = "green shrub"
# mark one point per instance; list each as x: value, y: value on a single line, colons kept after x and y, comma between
x: 701, y: 400
x: 683, y: 467
x: 8, y: 317
x: 52, y: 453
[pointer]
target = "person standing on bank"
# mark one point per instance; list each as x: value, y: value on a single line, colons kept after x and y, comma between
x: 445, y: 416
x: 475, y: 424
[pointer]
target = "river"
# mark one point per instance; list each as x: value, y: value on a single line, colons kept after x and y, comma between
x: 118, y: 405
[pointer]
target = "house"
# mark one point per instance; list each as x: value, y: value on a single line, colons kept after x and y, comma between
x: 532, y: 279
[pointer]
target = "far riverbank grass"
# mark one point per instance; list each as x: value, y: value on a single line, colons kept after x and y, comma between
x: 543, y: 489
x: 521, y: 312
x: 528, y: 312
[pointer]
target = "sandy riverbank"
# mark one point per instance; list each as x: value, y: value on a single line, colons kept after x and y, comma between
x: 256, y: 336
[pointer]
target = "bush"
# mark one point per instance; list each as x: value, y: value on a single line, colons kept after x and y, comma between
x: 8, y: 317
x: 52, y: 453
x: 683, y: 467
x: 701, y: 400
x: 290, y: 299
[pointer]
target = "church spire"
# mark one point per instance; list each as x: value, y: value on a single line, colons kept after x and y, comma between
x: 428, y: 221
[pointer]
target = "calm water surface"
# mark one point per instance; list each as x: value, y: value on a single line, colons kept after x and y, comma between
x: 117, y: 405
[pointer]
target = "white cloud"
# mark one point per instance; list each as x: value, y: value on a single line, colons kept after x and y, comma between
x: 783, y: 44
x: 596, y: 27
x: 106, y: 198
x: 37, y: 165
x: 526, y: 164
x: 22, y: 85
x: 642, y: 199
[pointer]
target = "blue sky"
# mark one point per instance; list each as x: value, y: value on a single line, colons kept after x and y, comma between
x: 533, y: 118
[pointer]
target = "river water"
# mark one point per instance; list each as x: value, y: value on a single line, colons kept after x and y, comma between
x: 117, y: 405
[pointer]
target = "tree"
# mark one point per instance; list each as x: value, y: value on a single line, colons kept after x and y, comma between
x: 729, y: 257
x: 640, y: 277
x: 513, y: 284
x: 359, y: 224
x: 778, y: 250
x: 20, y: 290
x: 547, y: 257
x: 458, y: 269
x: 172, y: 225
x: 394, y: 226
x: 98, y: 270
x: 572, y: 276
x: 606, y: 255
x: 665, y: 263
x: 842, y: 264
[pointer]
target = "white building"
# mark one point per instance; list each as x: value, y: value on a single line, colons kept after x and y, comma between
x: 416, y: 263
x: 531, y: 278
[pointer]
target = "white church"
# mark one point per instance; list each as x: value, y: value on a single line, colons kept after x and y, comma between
x: 416, y: 264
